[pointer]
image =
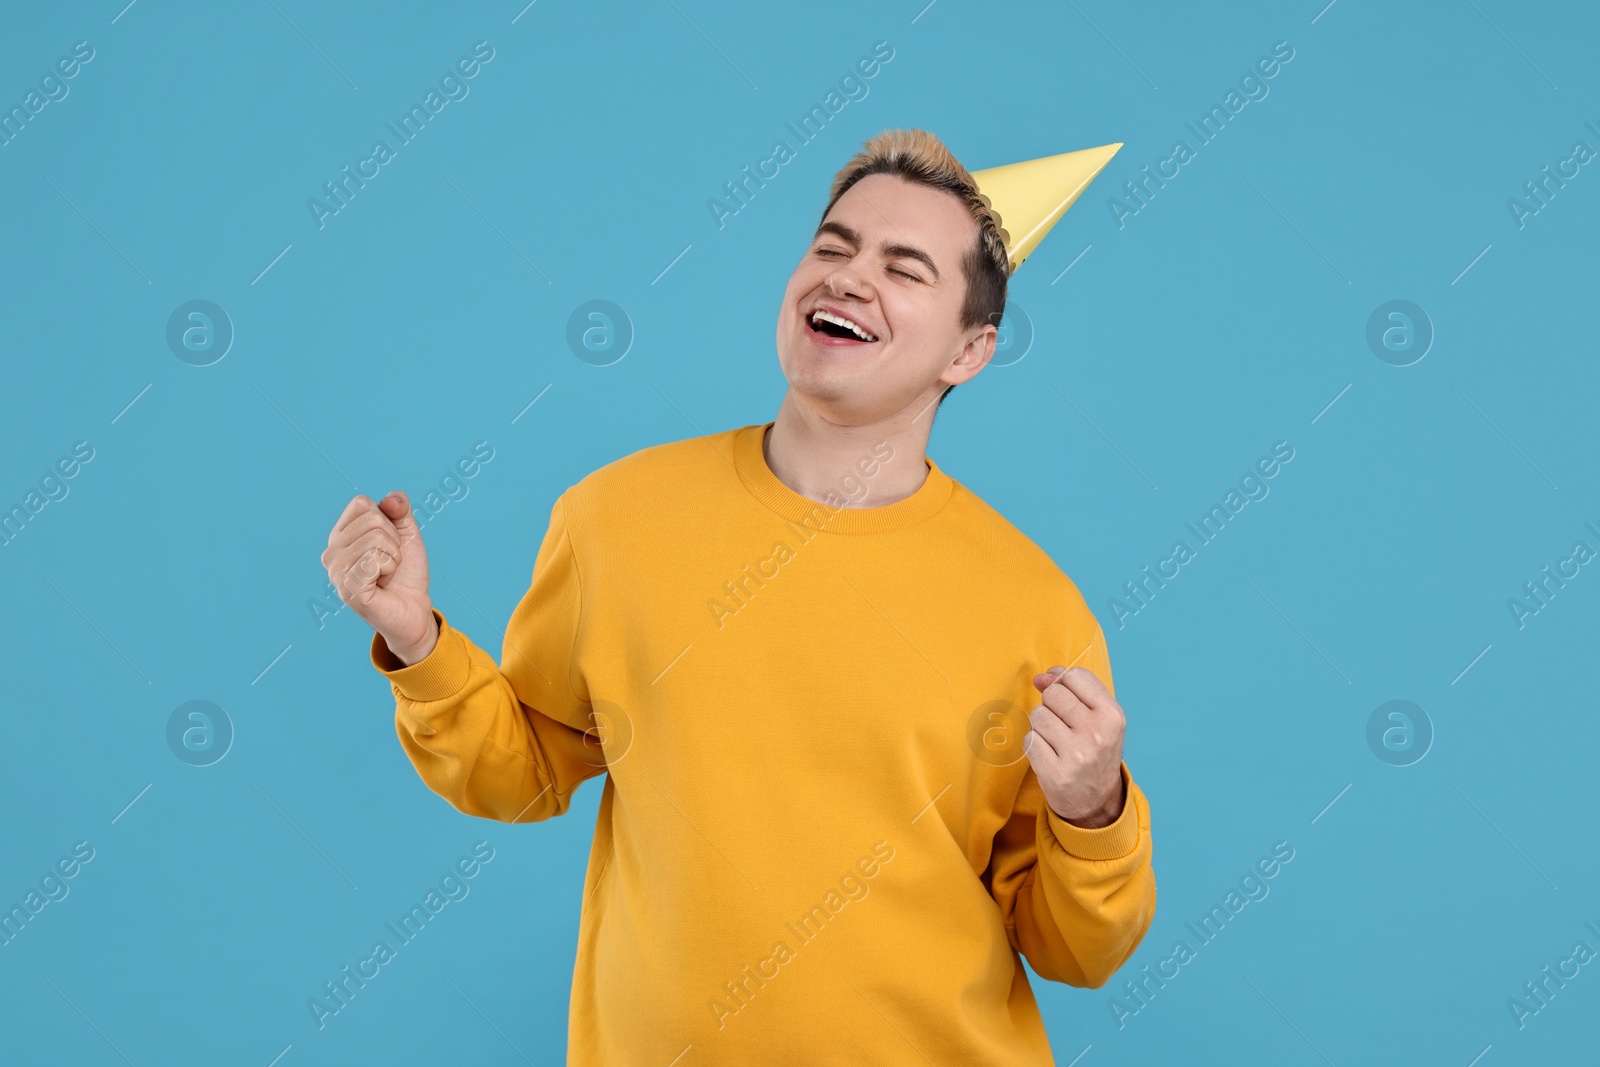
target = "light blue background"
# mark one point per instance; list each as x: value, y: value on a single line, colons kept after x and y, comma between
x: 1225, y: 316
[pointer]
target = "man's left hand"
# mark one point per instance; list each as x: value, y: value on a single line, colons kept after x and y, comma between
x: 1075, y: 746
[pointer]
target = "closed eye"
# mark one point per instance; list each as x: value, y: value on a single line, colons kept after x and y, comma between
x: 836, y: 252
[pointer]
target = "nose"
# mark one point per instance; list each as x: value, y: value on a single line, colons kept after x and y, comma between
x: 845, y: 281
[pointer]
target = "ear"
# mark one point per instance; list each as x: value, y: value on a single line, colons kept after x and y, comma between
x: 977, y: 348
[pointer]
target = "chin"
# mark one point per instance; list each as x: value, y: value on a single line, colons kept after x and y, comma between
x: 828, y: 383
x: 820, y: 389
x: 818, y: 386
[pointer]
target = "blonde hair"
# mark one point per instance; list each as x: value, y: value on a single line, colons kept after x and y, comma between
x: 919, y: 156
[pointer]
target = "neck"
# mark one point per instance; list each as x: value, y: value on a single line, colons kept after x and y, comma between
x: 845, y: 465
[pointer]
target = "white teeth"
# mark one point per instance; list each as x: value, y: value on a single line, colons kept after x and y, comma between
x: 840, y: 320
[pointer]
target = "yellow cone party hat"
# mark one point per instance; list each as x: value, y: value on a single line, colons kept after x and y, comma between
x: 1030, y: 197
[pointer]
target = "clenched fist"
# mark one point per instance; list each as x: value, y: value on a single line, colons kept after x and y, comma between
x: 1075, y: 746
x: 376, y: 561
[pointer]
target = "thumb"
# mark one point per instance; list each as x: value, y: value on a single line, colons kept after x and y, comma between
x: 1048, y: 678
x: 397, y: 508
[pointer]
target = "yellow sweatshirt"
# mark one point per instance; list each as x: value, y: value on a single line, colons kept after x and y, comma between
x: 819, y: 840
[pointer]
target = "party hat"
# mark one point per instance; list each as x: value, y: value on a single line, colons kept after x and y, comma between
x: 1029, y: 197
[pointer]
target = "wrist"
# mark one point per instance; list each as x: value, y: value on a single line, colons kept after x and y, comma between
x: 1106, y: 813
x: 415, y: 652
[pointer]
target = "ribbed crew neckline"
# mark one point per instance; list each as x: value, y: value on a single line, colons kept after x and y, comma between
x: 751, y: 463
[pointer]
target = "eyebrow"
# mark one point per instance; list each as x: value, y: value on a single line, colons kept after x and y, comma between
x: 890, y: 248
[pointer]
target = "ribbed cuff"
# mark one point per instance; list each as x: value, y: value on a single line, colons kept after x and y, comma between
x: 439, y: 674
x: 1109, y: 842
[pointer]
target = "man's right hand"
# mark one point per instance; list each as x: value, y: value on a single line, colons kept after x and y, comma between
x: 376, y: 561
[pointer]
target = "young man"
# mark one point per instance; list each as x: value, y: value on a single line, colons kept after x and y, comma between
x: 807, y: 661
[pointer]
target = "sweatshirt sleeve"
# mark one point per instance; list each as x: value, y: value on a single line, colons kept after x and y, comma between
x: 1076, y: 902
x: 508, y: 742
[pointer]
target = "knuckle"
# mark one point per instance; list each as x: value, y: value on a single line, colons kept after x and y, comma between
x: 354, y: 562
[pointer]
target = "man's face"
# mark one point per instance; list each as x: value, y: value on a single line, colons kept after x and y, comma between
x: 893, y: 267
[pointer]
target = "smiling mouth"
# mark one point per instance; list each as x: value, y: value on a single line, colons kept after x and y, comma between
x: 835, y: 327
